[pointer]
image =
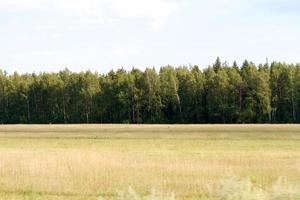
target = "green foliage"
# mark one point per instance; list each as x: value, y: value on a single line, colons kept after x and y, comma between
x: 218, y: 94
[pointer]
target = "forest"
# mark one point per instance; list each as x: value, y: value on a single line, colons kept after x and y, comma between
x: 220, y: 93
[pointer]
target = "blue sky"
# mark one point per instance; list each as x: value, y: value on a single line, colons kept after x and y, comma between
x: 49, y: 35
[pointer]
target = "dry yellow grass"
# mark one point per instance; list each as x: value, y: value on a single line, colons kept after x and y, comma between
x: 88, y: 161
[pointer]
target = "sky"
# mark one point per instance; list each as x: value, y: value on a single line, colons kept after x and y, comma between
x: 100, y: 35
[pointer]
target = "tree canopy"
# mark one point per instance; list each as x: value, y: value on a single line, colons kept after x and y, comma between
x: 268, y: 93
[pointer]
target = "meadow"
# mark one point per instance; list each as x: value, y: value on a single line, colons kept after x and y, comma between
x: 91, y: 162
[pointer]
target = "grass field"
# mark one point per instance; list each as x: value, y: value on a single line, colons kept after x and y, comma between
x: 187, y: 161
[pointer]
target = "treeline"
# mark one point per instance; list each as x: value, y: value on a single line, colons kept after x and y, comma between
x: 268, y: 93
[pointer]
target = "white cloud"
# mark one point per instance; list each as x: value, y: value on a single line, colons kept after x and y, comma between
x: 225, y: 5
x: 223, y: 1
x: 153, y: 12
x: 18, y: 3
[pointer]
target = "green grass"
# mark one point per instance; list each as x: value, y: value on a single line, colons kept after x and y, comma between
x: 189, y: 161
